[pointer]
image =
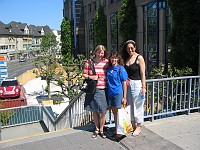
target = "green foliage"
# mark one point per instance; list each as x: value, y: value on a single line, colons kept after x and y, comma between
x: 73, y: 68
x: 184, y: 36
x: 56, y: 102
x: 128, y: 20
x: 5, y: 116
x: 157, y: 71
x: 172, y: 72
x: 46, y: 66
x: 48, y: 43
x: 66, y: 39
x: 100, y: 27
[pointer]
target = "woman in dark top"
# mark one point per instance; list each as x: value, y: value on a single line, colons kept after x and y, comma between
x: 135, y: 67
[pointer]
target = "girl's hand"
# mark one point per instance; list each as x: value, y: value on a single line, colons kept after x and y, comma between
x: 124, y: 101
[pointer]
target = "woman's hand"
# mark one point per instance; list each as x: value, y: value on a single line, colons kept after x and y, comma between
x: 94, y: 77
x: 143, y: 91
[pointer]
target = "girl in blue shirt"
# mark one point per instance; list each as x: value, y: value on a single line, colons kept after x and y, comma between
x: 117, y: 88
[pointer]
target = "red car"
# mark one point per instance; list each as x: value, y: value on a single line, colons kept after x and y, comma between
x: 10, y: 88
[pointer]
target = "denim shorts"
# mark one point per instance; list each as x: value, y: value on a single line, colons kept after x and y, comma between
x: 115, y: 100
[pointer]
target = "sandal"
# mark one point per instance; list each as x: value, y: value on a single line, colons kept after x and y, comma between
x: 94, y: 134
x: 136, y: 132
x: 102, y: 134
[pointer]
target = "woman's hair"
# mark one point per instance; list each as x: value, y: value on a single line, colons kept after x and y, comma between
x: 101, y: 47
x: 124, y: 52
x: 116, y: 55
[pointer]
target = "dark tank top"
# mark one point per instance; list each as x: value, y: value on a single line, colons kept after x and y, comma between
x: 133, y: 70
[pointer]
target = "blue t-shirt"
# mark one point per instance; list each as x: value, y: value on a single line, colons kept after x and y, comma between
x: 115, y: 76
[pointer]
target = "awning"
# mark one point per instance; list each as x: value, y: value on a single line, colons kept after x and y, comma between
x: 26, y: 38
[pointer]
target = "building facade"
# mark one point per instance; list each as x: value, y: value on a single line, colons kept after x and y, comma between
x: 154, y: 24
x: 73, y: 11
x: 20, y: 40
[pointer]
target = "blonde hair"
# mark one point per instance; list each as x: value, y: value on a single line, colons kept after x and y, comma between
x: 101, y: 47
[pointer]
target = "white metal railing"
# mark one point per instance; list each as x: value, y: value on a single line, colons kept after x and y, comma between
x: 20, y: 115
x: 165, y: 97
x: 73, y: 115
x: 172, y: 96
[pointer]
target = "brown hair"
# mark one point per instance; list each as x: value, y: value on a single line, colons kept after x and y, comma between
x: 117, y: 55
x: 124, y: 52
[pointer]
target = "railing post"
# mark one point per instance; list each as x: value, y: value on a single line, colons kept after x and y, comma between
x: 70, y: 118
x: 189, y: 95
x: 152, y: 102
x: 0, y: 130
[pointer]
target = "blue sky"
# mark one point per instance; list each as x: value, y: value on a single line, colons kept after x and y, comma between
x: 36, y: 12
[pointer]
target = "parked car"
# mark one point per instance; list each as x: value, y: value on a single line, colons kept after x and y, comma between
x: 10, y: 88
x: 22, y: 59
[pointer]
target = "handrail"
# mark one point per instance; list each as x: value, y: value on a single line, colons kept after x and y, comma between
x: 73, y: 115
x: 165, y: 97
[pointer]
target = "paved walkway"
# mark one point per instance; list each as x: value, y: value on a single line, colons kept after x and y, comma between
x: 174, y: 133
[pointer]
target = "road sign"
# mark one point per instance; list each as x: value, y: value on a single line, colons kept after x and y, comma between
x: 3, y: 68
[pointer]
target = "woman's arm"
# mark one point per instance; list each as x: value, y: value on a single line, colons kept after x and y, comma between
x: 124, y: 100
x: 87, y: 69
x: 142, y: 73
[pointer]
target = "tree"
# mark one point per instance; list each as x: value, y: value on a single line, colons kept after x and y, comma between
x: 46, y: 64
x: 66, y: 39
x: 45, y: 68
x: 73, y: 68
x: 48, y: 43
x: 184, y: 36
x: 100, y: 27
x: 128, y: 20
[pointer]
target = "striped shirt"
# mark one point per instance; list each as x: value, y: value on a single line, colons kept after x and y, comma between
x: 100, y: 69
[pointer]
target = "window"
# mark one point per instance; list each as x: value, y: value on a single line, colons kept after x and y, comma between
x: 104, y: 2
x: 114, y: 31
x: 95, y: 5
x: 91, y: 35
x: 111, y: 1
x: 78, y: 10
x: 89, y: 8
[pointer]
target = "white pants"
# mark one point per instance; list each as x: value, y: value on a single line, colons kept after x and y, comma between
x: 135, y: 101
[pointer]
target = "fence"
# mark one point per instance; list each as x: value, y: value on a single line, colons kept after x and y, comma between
x: 172, y: 96
x: 165, y: 97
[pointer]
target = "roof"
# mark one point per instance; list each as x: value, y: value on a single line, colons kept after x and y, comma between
x: 14, y: 28
x: 3, y: 31
x: 17, y: 28
x: 34, y: 31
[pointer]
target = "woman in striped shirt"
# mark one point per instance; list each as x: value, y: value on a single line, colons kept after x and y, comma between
x: 97, y: 102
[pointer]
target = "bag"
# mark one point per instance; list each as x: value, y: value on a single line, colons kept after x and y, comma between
x: 124, y: 120
x: 89, y: 85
